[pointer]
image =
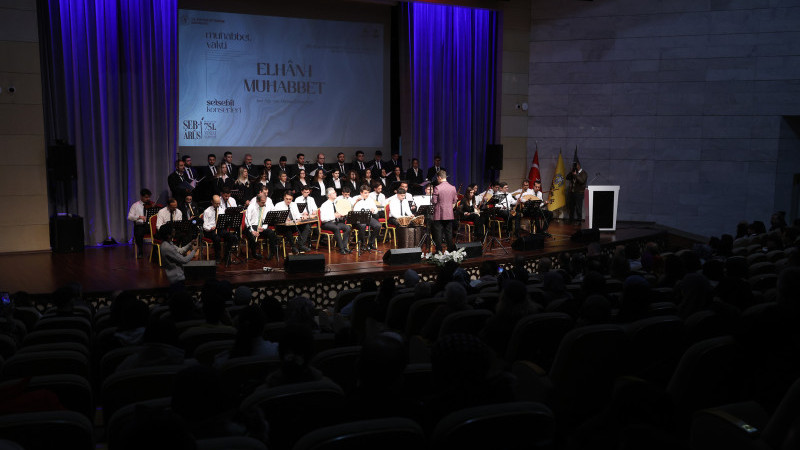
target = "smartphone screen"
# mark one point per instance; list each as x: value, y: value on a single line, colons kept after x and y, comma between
x: 6, y: 298
x: 500, y: 270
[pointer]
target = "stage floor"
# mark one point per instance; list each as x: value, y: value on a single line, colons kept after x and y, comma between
x: 106, y: 269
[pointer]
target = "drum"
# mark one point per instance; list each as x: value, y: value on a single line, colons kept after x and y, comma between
x: 408, y: 237
x: 418, y: 221
x: 343, y: 206
x: 405, y: 221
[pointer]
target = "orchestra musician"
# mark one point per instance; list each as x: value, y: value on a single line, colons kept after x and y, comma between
x: 377, y: 196
x: 242, y: 184
x: 353, y: 180
x: 300, y: 181
x: 424, y: 200
x: 247, y: 163
x: 295, y: 169
x: 267, y: 172
x: 136, y: 214
x: 505, y: 206
x: 368, y: 180
x: 359, y: 165
x: 377, y: 164
x: 228, y: 163
x: 336, y: 181
x: 179, y: 183
x: 319, y: 186
x: 304, y: 230
x: 226, y: 200
x: 222, y: 180
x: 394, y: 162
x: 210, y: 171
x: 444, y: 199
x: 191, y: 211
x: 542, y: 212
x: 434, y: 171
x: 319, y: 166
x: 364, y: 202
x: 343, y: 166
x: 280, y: 187
x: 187, y: 164
x: 256, y: 224
x: 577, y: 179
x: 471, y: 211
x: 399, y: 206
x: 415, y: 177
x: 333, y: 221
x: 210, y: 216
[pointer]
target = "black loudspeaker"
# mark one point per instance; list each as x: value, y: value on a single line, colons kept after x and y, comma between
x: 396, y: 256
x: 494, y: 156
x: 200, y: 270
x: 586, y: 235
x: 305, y: 263
x: 62, y: 162
x: 66, y: 234
x: 529, y: 242
x: 473, y: 249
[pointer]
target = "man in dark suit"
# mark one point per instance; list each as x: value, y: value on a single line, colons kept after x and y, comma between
x: 437, y: 167
x: 233, y: 169
x: 377, y: 164
x: 267, y: 168
x: 179, y: 183
x: 415, y: 177
x: 190, y: 210
x: 190, y: 172
x: 282, y: 167
x: 343, y: 167
x: 211, y: 169
x: 394, y: 162
x: 359, y: 165
x: 577, y: 179
x: 252, y: 171
x: 317, y: 166
x: 295, y: 168
x: 444, y: 197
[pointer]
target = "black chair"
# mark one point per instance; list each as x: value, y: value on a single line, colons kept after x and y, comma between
x: 339, y: 364
x: 74, y: 392
x: 655, y: 346
x: 31, y: 364
x: 397, y: 312
x: 419, y: 313
x: 516, y: 425
x: 136, y: 385
x: 393, y: 433
x: 470, y: 321
x: 536, y: 338
x: 66, y: 430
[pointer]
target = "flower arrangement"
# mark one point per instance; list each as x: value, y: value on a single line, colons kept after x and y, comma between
x: 440, y: 259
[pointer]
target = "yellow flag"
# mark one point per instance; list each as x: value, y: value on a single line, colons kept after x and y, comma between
x: 558, y: 196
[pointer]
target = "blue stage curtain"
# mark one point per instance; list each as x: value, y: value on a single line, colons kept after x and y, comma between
x: 111, y: 80
x: 453, y: 77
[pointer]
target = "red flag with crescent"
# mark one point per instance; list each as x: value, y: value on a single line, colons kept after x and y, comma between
x: 534, y: 174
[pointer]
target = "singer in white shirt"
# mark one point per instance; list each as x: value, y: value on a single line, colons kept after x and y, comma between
x: 303, y: 230
x: 137, y: 215
x: 210, y: 216
x: 256, y: 225
x: 399, y: 207
x: 333, y: 221
x: 362, y: 203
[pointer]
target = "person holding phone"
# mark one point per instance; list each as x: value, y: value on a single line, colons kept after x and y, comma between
x: 175, y: 257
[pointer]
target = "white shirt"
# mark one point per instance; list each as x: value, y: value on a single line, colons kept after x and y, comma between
x: 327, y: 211
x: 337, y: 183
x: 210, y: 218
x: 311, y: 205
x: 399, y: 209
x: 223, y: 206
x: 350, y: 199
x: 506, y: 203
x: 322, y: 187
x: 379, y: 199
x: 137, y: 209
x: 367, y: 204
x: 251, y: 218
x: 294, y: 213
x: 164, y: 216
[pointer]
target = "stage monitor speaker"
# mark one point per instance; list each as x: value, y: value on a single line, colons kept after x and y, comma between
x: 200, y: 270
x: 66, y: 234
x: 529, y: 242
x: 473, y: 249
x: 305, y: 263
x: 62, y: 162
x: 494, y: 156
x: 397, y: 256
x: 586, y: 235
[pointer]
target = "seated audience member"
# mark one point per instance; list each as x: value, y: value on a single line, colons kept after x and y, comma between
x: 455, y: 297
x: 160, y: 346
x: 273, y: 310
x: 410, y: 279
x: 131, y: 328
x: 379, y: 388
x: 295, y: 348
x: 518, y: 272
x: 463, y: 377
x: 595, y: 310
x: 182, y: 307
x: 214, y: 295
x: 512, y: 306
x: 635, y: 299
x: 250, y: 323
x: 487, y: 273
x: 206, y: 404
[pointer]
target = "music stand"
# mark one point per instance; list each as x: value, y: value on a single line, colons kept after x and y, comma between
x: 301, y: 207
x: 490, y: 241
x: 427, y: 211
x: 363, y: 217
x: 184, y: 229
x: 234, y: 209
x: 238, y: 195
x: 276, y: 219
x: 150, y: 212
x: 226, y: 222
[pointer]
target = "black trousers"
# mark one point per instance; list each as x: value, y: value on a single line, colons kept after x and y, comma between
x: 544, y: 217
x: 446, y: 227
x: 272, y: 238
x: 576, y: 205
x: 375, y: 227
x: 336, y: 227
x: 228, y: 237
x: 507, y: 216
x: 139, y: 230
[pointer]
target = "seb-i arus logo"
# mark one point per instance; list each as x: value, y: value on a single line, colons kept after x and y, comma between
x: 199, y: 129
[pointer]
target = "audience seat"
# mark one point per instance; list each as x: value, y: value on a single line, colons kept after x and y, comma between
x: 28, y: 315
x: 205, y: 353
x: 7, y: 346
x: 55, y: 336
x: 247, y: 372
x: 508, y: 426
x: 30, y: 364
x: 536, y: 338
x: 111, y: 360
x: 63, y: 430
x: 230, y: 443
x: 761, y: 268
x: 135, y: 385
x: 74, y: 392
x: 193, y: 337
x: 344, y: 297
x: 339, y: 364
x: 470, y: 321
x: 654, y: 347
x: 115, y: 425
x: 393, y: 433
x: 65, y: 323
x: 397, y: 312
x: 295, y: 410
x: 72, y: 346
x: 419, y: 313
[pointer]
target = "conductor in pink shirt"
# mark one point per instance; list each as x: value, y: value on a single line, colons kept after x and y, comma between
x: 444, y: 198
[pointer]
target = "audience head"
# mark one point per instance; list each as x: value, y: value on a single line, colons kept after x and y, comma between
x: 382, y: 361
x: 273, y: 310
x: 300, y: 310
x: 250, y: 324
x: 460, y: 361
x: 455, y: 296
x: 596, y: 309
x: 635, y: 299
x: 410, y: 278
x: 199, y: 394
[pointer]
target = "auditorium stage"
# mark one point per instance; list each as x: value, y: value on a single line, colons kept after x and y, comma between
x: 101, y: 270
